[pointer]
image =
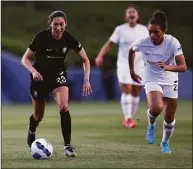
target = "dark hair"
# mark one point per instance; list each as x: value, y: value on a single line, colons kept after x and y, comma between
x: 160, y: 18
x: 134, y: 7
x: 57, y: 14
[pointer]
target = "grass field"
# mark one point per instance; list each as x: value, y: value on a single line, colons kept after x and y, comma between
x: 98, y: 137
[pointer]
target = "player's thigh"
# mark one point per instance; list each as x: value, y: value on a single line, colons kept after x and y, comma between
x: 136, y: 90
x: 170, y: 106
x: 154, y: 97
x: 39, y: 108
x: 61, y: 96
x: 170, y: 94
x: 59, y: 89
x: 39, y: 93
x: 125, y: 80
x: 125, y: 88
x: 39, y: 89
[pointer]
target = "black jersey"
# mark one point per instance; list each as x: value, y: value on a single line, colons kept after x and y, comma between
x: 51, y: 53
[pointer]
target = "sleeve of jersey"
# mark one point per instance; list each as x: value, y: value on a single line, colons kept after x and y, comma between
x: 115, y: 36
x: 177, y: 48
x: 136, y: 45
x: 75, y: 44
x: 35, y: 43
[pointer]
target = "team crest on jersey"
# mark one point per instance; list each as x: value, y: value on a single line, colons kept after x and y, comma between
x: 64, y: 50
x: 167, y: 54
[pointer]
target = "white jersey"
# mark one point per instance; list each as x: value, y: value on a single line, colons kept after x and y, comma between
x: 124, y: 36
x: 165, y: 52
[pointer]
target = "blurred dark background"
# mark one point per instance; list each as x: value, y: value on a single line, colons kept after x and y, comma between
x: 91, y: 23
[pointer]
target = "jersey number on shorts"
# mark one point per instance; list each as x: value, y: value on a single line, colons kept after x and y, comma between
x: 61, y: 79
x: 175, y: 86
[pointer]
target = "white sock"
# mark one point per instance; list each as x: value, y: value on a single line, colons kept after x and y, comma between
x: 168, y: 129
x: 126, y: 105
x: 151, y: 119
x: 135, y: 103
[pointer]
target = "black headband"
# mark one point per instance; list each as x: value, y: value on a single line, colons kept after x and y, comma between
x: 58, y: 14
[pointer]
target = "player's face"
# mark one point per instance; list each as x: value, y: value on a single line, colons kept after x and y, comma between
x: 131, y: 16
x: 156, y: 34
x: 58, y: 25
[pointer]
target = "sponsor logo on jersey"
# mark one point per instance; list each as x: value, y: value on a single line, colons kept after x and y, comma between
x: 64, y: 50
x: 79, y: 44
x: 179, y: 48
x: 167, y: 54
x: 49, y: 50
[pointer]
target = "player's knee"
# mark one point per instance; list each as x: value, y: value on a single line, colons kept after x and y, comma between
x: 156, y: 109
x: 63, y: 108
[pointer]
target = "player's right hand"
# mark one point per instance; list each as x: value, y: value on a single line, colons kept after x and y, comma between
x: 135, y: 77
x: 37, y: 76
x: 99, y: 61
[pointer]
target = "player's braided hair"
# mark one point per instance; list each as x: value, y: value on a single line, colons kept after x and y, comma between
x: 160, y: 18
x: 57, y: 14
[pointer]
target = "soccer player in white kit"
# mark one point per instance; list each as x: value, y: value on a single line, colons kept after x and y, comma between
x: 124, y: 35
x: 163, y: 59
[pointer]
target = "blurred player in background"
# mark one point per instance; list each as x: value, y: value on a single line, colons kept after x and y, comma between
x: 163, y: 58
x: 48, y: 74
x: 124, y: 35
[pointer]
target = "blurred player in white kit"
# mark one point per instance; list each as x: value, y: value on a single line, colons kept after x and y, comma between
x: 124, y: 35
x: 163, y: 57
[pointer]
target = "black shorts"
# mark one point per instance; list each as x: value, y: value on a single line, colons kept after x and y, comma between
x: 40, y: 89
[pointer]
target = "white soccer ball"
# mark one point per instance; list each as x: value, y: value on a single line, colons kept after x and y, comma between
x: 41, y: 149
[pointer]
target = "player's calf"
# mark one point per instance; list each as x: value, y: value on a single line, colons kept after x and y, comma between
x: 32, y: 129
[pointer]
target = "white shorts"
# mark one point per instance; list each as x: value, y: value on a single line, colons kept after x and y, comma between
x: 170, y: 91
x: 124, y: 76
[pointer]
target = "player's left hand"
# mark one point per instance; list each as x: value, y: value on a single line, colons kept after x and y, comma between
x: 86, y: 89
x: 162, y: 65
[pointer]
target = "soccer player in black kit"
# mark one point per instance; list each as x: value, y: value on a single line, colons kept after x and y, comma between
x: 48, y: 74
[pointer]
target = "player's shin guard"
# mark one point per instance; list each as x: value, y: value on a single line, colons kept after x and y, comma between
x: 66, y: 127
x: 33, y: 124
x: 151, y: 118
x: 168, y: 129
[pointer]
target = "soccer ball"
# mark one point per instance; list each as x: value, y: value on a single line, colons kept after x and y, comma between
x: 41, y: 149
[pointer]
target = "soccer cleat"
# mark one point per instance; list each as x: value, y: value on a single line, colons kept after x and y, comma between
x: 69, y: 151
x: 165, y: 148
x: 130, y: 123
x: 30, y: 137
x: 150, y: 136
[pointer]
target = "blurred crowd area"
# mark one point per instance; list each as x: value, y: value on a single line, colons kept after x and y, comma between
x: 91, y: 22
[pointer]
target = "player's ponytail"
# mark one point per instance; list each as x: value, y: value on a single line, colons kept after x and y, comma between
x: 160, y: 18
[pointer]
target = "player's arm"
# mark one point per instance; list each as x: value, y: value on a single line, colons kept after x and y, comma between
x: 77, y: 47
x: 27, y: 64
x: 179, y: 57
x: 28, y: 55
x: 86, y: 90
x: 86, y: 64
x: 114, y: 39
x: 26, y: 60
x: 179, y: 67
x: 104, y: 50
x: 131, y: 59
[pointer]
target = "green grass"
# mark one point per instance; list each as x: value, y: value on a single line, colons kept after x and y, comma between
x: 98, y: 137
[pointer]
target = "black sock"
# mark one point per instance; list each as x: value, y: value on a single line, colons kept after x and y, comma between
x: 66, y: 127
x: 33, y: 124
